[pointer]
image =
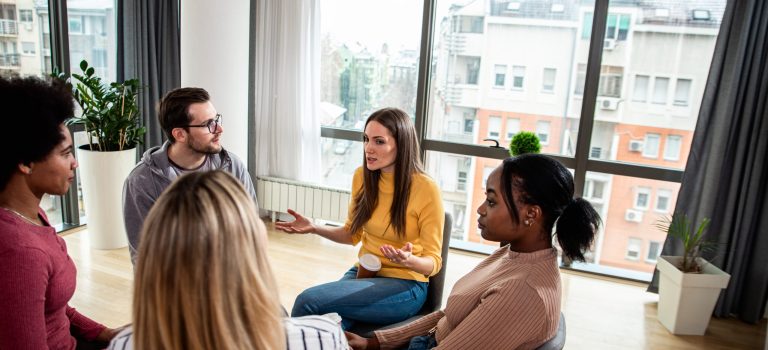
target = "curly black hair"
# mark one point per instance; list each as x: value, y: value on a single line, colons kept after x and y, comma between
x: 33, y: 112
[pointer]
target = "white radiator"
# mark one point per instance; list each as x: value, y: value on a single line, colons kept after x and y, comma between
x: 310, y: 200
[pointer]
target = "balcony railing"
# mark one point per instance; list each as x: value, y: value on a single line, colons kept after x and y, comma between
x: 8, y: 27
x: 9, y: 60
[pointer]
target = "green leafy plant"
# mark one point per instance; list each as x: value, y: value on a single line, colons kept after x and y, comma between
x: 681, y: 227
x: 524, y: 142
x: 110, y: 112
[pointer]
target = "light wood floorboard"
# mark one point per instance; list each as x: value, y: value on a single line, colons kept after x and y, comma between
x: 600, y: 313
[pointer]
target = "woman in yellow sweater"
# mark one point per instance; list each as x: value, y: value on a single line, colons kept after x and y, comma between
x: 511, y: 300
x: 397, y: 213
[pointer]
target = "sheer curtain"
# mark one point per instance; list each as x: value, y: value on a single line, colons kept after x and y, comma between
x: 287, y: 89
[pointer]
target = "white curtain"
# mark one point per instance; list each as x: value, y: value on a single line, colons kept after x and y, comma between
x: 288, y: 89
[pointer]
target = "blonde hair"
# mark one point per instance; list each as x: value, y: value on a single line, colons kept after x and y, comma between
x: 203, y: 280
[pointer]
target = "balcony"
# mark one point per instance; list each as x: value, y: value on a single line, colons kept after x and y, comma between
x: 465, y: 44
x: 8, y: 27
x: 462, y: 95
x: 9, y: 60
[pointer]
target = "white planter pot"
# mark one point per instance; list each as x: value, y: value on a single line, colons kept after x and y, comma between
x: 686, y: 300
x: 102, y: 175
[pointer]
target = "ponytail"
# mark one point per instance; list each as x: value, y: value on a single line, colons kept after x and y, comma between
x: 576, y: 228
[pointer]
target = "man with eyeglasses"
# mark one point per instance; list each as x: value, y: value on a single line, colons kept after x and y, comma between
x: 193, y: 128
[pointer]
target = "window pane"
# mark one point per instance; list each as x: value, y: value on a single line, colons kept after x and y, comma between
x: 627, y: 206
x: 682, y: 91
x: 654, y: 249
x: 633, y: 248
x: 672, y: 147
x: 494, y: 127
x: 340, y: 158
x: 518, y: 77
x: 640, y: 93
x: 662, y: 56
x: 662, y: 200
x: 513, y: 127
x: 23, y: 38
x: 92, y: 37
x: 542, y: 131
x: 364, y: 68
x: 651, y: 145
x: 539, y: 80
x: 548, y: 80
x: 660, y: 87
x: 499, y: 74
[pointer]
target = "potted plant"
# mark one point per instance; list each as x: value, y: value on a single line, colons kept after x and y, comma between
x: 524, y: 142
x: 110, y: 117
x: 688, y: 285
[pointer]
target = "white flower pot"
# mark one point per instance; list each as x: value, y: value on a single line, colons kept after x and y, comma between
x: 102, y: 175
x: 686, y: 300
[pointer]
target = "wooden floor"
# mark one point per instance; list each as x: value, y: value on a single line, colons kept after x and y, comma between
x: 600, y: 313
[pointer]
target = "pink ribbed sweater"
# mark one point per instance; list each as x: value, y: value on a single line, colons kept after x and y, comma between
x: 37, y: 279
x: 510, y: 300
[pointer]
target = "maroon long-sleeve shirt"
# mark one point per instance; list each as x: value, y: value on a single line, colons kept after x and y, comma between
x: 37, y: 280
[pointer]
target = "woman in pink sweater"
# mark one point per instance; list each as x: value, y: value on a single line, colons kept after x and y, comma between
x: 511, y: 300
x: 37, y: 277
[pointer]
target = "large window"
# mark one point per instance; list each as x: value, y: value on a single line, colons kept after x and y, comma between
x: 489, y: 76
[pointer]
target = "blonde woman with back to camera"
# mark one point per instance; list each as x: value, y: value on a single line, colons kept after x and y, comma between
x: 203, y: 280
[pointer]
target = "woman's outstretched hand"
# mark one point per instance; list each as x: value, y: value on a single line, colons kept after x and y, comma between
x: 299, y: 225
x: 398, y: 256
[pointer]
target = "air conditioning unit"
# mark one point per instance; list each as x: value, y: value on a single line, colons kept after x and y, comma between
x: 609, y: 104
x: 609, y: 44
x: 635, y: 145
x: 633, y: 215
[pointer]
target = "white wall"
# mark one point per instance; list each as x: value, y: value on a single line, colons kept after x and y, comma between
x: 214, y: 56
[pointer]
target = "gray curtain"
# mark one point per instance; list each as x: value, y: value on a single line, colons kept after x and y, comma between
x: 150, y: 52
x: 727, y: 171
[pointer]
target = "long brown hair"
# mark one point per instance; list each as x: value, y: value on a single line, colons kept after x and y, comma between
x: 407, y: 163
x: 203, y: 280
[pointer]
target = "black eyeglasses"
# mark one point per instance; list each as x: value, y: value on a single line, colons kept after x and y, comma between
x: 211, y: 124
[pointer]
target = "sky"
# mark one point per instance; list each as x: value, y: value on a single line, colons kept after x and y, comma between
x: 373, y: 22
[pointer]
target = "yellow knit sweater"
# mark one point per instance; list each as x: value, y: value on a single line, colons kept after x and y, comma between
x: 423, y: 224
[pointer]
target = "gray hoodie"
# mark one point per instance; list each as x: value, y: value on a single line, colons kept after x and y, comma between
x: 153, y: 174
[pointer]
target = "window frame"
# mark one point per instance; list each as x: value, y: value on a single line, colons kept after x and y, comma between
x: 497, y: 75
x: 508, y: 126
x: 491, y: 121
x: 515, y: 70
x: 548, y: 89
x: 647, y: 137
x: 648, y: 258
x: 642, y: 190
x: 668, y: 195
x: 628, y: 250
x: 544, y: 140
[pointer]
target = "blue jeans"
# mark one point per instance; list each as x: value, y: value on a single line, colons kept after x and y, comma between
x: 422, y: 342
x: 378, y: 300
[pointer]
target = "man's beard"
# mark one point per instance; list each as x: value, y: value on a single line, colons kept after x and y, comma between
x: 199, y: 147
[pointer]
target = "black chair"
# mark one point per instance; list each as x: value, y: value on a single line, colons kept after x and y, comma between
x: 434, y: 292
x: 558, y: 341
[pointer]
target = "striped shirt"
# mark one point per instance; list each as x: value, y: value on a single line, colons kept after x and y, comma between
x: 301, y: 333
x: 510, y: 300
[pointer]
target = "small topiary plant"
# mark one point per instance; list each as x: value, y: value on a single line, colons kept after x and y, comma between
x: 524, y: 142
